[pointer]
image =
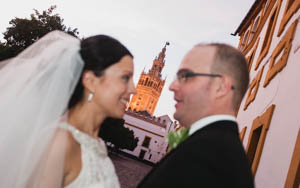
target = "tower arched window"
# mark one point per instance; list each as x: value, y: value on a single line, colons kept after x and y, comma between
x: 146, y: 81
x: 141, y: 82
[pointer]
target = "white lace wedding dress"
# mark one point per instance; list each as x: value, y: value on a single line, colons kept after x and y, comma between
x: 97, y: 169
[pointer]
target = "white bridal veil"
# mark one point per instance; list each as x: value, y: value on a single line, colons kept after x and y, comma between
x: 35, y: 88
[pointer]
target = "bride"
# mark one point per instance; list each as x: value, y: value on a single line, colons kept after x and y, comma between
x: 53, y: 98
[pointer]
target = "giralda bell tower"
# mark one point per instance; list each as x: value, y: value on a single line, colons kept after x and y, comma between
x: 149, y: 86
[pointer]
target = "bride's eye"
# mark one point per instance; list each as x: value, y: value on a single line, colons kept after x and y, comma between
x: 125, y: 78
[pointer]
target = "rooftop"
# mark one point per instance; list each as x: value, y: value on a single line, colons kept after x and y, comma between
x: 248, y: 15
x: 146, y: 116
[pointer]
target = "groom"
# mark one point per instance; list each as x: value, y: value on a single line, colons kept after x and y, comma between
x: 211, y: 82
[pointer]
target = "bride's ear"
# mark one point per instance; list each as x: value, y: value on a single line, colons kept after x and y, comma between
x: 89, y: 80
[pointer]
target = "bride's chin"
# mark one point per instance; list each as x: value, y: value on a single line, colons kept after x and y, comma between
x: 119, y: 114
x: 122, y: 114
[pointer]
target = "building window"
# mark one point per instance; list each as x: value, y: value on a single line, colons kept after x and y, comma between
x: 260, y: 21
x: 280, y: 54
x: 253, y: 29
x: 253, y: 88
x: 257, y: 137
x: 253, y: 144
x: 146, y: 142
x: 142, y: 154
x: 266, y: 6
x: 269, y: 35
x: 291, y: 8
x: 293, y: 176
x: 242, y: 133
x: 244, y: 41
x: 250, y: 58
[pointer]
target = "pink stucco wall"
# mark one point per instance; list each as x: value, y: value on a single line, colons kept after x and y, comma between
x: 284, y: 92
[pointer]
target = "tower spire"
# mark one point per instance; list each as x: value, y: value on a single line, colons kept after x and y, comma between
x: 162, y: 54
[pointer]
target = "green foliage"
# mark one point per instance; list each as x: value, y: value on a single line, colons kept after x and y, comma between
x: 23, y: 32
x: 113, y: 131
x: 6, y: 52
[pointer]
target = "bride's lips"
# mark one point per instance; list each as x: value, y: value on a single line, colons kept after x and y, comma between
x: 124, y: 101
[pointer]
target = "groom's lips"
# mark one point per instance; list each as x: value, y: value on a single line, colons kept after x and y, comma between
x: 178, y: 102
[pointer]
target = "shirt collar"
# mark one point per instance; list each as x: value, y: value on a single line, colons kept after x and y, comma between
x: 208, y: 120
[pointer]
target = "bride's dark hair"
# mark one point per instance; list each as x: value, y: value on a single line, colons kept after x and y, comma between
x: 98, y: 53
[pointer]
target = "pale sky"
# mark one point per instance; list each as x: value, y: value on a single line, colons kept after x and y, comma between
x: 144, y: 26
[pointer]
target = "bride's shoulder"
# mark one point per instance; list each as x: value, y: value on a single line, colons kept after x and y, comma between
x: 64, y: 142
x: 72, y: 164
x: 64, y: 136
x: 60, y: 144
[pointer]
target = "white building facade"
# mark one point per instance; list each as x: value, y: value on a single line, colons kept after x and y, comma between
x: 152, y: 133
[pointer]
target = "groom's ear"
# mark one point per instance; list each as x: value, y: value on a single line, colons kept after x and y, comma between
x: 224, y: 86
x: 89, y: 80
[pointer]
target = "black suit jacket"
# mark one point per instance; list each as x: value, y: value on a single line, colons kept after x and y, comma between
x: 211, y: 157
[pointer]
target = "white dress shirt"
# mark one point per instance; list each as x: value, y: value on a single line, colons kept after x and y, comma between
x: 208, y: 120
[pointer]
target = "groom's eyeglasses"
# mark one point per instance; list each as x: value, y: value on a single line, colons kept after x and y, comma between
x: 183, y: 75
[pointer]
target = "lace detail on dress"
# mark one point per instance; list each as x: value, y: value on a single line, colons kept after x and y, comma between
x: 97, y: 168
